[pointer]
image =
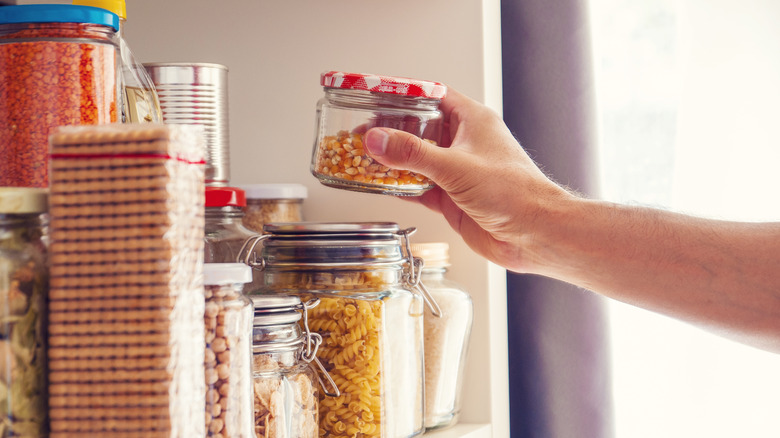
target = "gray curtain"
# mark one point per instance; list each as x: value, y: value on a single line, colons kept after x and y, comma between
x: 558, y: 351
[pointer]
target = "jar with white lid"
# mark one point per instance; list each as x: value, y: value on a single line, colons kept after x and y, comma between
x: 446, y: 337
x: 284, y: 350
x: 24, y: 286
x: 353, y: 103
x: 228, y: 364
x: 370, y: 317
x: 267, y: 203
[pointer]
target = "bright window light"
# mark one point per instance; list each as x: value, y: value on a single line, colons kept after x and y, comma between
x: 689, y: 111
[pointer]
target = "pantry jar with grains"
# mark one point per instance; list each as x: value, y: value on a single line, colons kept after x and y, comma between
x: 58, y: 66
x: 228, y: 361
x: 267, y: 203
x: 353, y: 103
x: 225, y: 234
x: 370, y: 318
x: 24, y: 282
x: 285, y: 381
x: 446, y: 337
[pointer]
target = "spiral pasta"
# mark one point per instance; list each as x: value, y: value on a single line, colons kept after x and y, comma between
x: 349, y: 353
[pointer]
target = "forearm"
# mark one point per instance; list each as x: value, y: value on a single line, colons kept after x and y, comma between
x: 723, y: 276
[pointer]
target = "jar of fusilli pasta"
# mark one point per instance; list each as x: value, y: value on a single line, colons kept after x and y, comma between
x: 285, y: 389
x: 370, y: 318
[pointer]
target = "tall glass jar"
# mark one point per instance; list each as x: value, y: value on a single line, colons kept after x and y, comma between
x: 266, y: 203
x: 24, y: 285
x: 228, y: 364
x: 285, y: 383
x: 58, y: 66
x: 369, y: 316
x: 446, y: 337
x: 354, y: 103
x: 225, y: 233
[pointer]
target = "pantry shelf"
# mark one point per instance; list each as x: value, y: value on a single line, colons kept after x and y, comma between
x: 275, y: 52
x: 463, y: 430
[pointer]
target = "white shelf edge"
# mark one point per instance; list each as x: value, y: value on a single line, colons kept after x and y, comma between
x: 462, y: 430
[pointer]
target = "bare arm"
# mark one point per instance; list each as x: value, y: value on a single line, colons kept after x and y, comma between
x: 722, y: 276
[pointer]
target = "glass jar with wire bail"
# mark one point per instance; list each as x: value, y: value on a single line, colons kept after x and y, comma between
x: 356, y: 102
x: 284, y: 351
x: 370, y: 317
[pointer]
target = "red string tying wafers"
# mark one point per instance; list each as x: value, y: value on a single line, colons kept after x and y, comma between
x: 104, y: 156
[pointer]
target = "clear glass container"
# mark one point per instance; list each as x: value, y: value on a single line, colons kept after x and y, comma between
x: 267, y: 203
x: 286, y: 401
x: 369, y: 317
x: 225, y: 233
x: 354, y: 103
x: 228, y: 357
x: 446, y: 337
x: 58, y: 66
x: 139, y: 98
x: 24, y: 285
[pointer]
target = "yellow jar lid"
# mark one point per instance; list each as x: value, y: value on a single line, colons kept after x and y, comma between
x: 118, y: 7
x: 23, y: 200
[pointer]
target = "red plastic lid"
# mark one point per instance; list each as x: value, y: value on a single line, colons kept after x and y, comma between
x: 383, y: 84
x: 225, y: 197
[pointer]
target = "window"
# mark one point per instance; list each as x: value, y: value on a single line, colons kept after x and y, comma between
x: 689, y: 108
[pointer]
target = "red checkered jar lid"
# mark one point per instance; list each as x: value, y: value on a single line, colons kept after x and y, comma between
x: 383, y: 84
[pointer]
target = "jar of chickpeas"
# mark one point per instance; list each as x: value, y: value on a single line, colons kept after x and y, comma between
x: 227, y: 363
x: 370, y: 317
x: 355, y: 102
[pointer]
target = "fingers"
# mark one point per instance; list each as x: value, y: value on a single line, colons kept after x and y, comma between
x: 401, y: 150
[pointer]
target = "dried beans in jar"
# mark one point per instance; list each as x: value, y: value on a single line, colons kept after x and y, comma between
x: 228, y: 322
x: 58, y: 66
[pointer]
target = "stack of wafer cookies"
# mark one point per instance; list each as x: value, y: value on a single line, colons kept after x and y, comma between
x: 126, y: 333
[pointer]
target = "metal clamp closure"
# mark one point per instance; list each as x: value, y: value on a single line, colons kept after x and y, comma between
x: 415, y: 273
x: 250, y: 257
x: 313, y: 342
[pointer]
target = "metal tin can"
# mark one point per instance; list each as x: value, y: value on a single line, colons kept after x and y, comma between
x: 354, y: 103
x: 197, y: 94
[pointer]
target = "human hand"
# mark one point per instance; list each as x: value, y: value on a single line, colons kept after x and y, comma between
x: 488, y: 188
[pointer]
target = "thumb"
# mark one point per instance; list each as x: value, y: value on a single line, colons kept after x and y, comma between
x: 404, y: 151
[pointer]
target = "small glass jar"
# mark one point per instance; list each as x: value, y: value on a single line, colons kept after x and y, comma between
x: 58, y: 66
x: 24, y: 285
x: 353, y: 103
x: 228, y: 362
x: 225, y: 233
x: 369, y: 316
x: 446, y: 337
x: 285, y: 383
x: 272, y: 203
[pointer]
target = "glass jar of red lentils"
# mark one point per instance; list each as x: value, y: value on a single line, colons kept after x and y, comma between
x: 58, y: 66
x: 353, y: 103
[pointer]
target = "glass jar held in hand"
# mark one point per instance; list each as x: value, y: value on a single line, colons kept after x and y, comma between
x: 354, y: 103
